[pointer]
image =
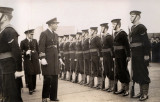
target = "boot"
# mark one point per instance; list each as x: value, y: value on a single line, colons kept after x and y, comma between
x: 88, y: 83
x: 110, y: 86
x: 91, y: 83
x: 64, y: 77
x: 82, y: 79
x: 70, y: 76
x: 121, y: 90
x: 85, y: 79
x: 140, y: 93
x: 76, y: 78
x: 100, y: 83
x: 126, y: 88
x: 145, y: 88
x: 97, y: 85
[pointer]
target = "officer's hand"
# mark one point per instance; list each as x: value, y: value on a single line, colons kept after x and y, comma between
x: 101, y: 59
x: 75, y: 59
x: 113, y: 59
x: 19, y: 74
x: 146, y: 58
x: 128, y: 59
x: 44, y: 62
x: 61, y: 61
x: 28, y: 52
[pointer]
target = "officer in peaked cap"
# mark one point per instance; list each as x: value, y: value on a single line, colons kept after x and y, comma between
x: 121, y: 58
x: 49, y: 51
x: 10, y: 57
x: 30, y: 51
x: 95, y: 50
x: 140, y: 48
x: 54, y: 20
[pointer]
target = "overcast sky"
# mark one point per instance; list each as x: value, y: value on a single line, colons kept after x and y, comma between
x: 82, y: 13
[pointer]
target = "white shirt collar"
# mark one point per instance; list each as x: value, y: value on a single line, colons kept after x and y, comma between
x: 50, y: 30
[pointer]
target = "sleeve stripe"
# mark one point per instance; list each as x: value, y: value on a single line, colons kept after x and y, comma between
x: 11, y: 41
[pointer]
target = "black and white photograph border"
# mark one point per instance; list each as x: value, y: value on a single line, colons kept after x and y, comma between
x: 74, y: 16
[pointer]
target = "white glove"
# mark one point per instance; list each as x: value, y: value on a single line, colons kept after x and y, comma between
x: 61, y: 61
x: 28, y: 52
x: 101, y: 59
x: 44, y: 62
x: 19, y: 74
x: 146, y: 58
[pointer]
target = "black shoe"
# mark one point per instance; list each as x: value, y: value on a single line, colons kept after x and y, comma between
x: 137, y: 96
x: 106, y: 89
x: 143, y: 97
x: 120, y: 91
x: 126, y: 93
x: 30, y: 92
x: 86, y: 84
x: 34, y: 90
x: 96, y: 86
x: 109, y: 90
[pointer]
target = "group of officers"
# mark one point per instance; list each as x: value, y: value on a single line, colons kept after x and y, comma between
x: 85, y: 54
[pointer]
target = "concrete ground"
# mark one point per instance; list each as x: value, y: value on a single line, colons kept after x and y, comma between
x: 70, y: 92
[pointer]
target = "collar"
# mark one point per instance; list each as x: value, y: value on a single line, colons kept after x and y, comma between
x: 29, y: 39
x: 135, y: 25
x: 50, y: 30
x: 9, y: 25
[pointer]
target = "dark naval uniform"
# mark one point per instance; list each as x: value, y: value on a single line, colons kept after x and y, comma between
x: 10, y: 62
x: 79, y: 57
x: 72, y: 51
x: 140, y: 46
x: 48, y: 48
x: 66, y: 56
x: 121, y: 51
x: 31, y: 62
x: 107, y: 53
x: 87, y: 56
x: 62, y: 57
x: 95, y: 50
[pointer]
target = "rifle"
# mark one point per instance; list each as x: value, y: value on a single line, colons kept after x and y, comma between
x: 115, y: 80
x: 103, y: 78
x: 132, y: 91
x: 102, y: 65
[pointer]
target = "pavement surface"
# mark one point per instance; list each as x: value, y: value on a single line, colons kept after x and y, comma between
x: 71, y: 92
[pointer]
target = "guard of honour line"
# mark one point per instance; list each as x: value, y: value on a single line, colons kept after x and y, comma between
x: 83, y: 58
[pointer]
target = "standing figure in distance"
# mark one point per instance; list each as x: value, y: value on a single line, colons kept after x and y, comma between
x: 30, y: 52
